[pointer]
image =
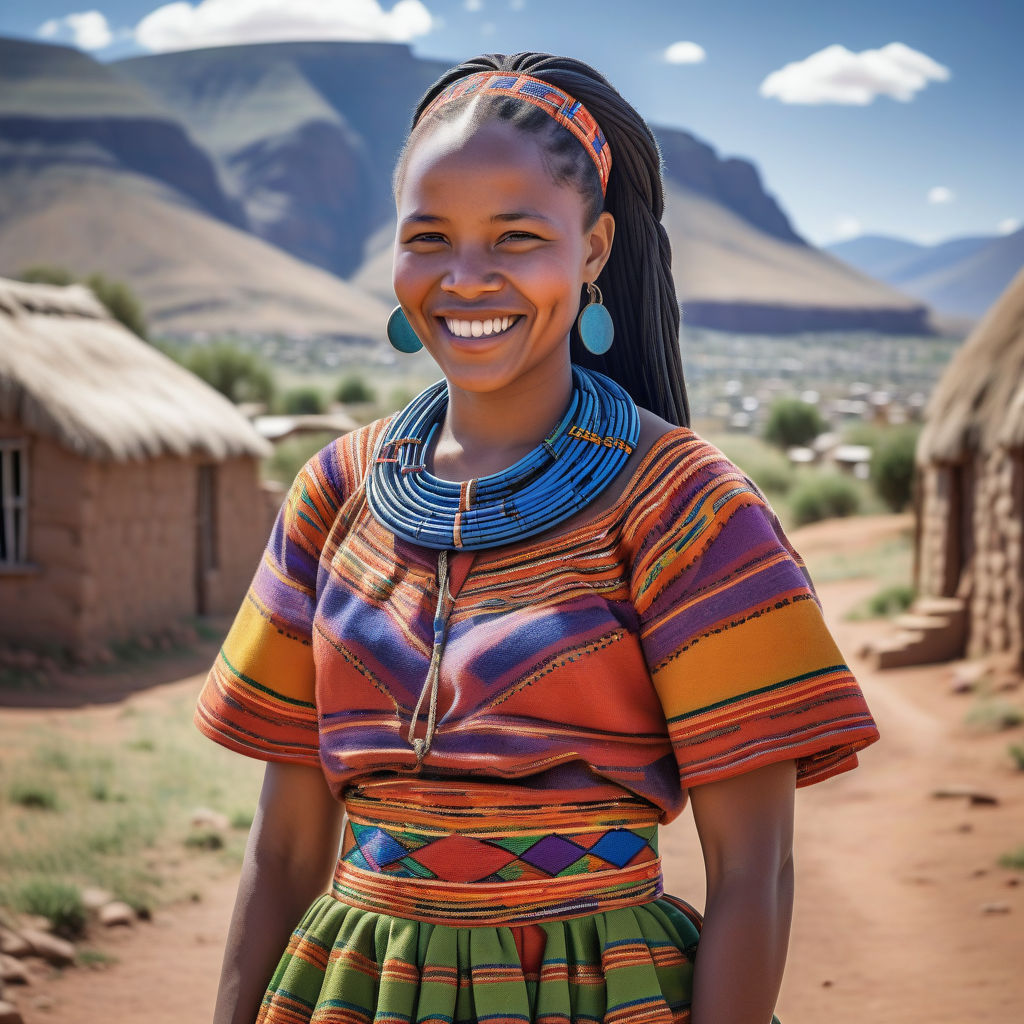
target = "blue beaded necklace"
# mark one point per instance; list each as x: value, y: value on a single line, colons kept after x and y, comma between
x: 562, y: 475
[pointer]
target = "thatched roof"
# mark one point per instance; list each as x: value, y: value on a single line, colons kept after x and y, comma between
x: 978, y: 403
x: 71, y: 372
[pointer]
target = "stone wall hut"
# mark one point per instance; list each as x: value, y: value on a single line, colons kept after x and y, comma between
x: 970, y: 490
x: 129, y: 490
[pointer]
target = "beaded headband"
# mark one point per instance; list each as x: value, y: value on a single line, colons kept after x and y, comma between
x: 560, y: 105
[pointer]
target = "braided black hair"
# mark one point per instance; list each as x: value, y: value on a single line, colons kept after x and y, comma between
x: 636, y: 282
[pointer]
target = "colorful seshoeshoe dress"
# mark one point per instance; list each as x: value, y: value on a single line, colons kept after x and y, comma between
x: 586, y: 681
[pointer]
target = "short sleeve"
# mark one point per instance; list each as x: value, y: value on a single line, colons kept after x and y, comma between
x: 744, y: 665
x: 259, y: 696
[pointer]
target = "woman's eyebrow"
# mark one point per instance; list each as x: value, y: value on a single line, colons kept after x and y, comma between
x: 521, y: 215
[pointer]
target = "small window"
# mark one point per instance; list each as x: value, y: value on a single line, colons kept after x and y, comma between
x: 13, y: 502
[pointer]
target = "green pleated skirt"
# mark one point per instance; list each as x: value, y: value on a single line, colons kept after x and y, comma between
x: 344, y: 965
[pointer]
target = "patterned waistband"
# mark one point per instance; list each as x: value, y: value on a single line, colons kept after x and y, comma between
x: 465, y: 866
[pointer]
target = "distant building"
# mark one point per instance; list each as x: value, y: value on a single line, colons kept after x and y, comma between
x: 129, y: 490
x: 969, y: 559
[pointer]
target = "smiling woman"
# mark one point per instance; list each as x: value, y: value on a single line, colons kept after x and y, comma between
x: 517, y: 626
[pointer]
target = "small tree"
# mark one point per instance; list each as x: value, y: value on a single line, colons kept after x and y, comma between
x: 236, y: 374
x: 353, y: 390
x: 120, y: 301
x: 792, y: 422
x: 892, y: 468
x: 303, y: 401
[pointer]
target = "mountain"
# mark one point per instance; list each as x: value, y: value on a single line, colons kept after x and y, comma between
x: 259, y: 177
x: 96, y: 174
x: 306, y: 134
x: 958, y: 277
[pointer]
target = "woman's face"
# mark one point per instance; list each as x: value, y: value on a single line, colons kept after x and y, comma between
x: 491, y: 255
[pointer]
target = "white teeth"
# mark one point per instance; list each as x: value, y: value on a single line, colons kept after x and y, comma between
x: 480, y: 328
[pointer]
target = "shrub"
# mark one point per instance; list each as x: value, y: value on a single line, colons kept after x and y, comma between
x: 990, y: 714
x: 33, y: 794
x: 792, y: 422
x: 353, y: 390
x: 238, y: 375
x: 1013, y: 859
x: 120, y: 300
x: 823, y: 496
x: 892, y: 468
x: 1016, y: 751
x: 891, y: 600
x: 303, y: 401
x: 206, y: 839
x: 242, y: 819
x: 61, y: 904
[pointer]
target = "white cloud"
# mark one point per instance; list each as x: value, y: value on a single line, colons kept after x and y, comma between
x: 846, y: 227
x: 88, y: 30
x: 837, y: 75
x: 1008, y: 226
x: 940, y: 194
x: 180, y: 26
x: 516, y: 5
x: 684, y: 52
x: 473, y: 5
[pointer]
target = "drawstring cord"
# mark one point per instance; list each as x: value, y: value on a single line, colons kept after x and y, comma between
x: 430, y: 684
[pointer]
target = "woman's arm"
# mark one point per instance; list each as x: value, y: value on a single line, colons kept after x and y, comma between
x: 745, y: 825
x: 289, y: 861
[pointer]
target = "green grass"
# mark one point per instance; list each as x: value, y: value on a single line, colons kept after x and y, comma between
x: 890, y: 600
x: 60, y: 903
x: 1013, y: 859
x: 86, y: 957
x: 1016, y: 752
x: 112, y: 807
x: 992, y: 714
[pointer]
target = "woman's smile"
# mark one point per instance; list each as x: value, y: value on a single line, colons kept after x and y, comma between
x: 489, y: 327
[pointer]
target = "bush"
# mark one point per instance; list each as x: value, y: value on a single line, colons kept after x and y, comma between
x: 823, y: 496
x: 33, y: 794
x: 238, y: 375
x: 303, y: 401
x: 792, y: 422
x: 59, y: 903
x: 892, y: 468
x: 1013, y: 859
x: 991, y: 714
x: 120, y: 300
x: 891, y: 600
x: 353, y: 390
x: 1016, y: 751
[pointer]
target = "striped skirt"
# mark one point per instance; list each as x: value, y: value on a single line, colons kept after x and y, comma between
x: 459, y: 913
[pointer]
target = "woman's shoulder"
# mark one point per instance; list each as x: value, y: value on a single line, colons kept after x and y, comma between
x: 676, y: 464
x: 342, y: 463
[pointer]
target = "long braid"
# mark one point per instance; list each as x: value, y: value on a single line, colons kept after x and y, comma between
x: 636, y: 282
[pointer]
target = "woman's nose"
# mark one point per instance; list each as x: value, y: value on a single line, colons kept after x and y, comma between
x: 469, y: 275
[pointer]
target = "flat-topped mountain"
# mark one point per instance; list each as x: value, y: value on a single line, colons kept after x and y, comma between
x: 291, y: 146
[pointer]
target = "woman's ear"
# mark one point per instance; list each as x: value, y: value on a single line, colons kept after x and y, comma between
x: 598, y: 245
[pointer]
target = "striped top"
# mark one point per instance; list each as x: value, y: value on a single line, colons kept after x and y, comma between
x: 673, y: 640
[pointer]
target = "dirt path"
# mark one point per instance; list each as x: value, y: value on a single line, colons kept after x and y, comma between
x: 888, y: 922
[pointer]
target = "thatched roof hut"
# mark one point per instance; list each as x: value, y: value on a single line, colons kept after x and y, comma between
x: 130, y: 497
x: 978, y: 405
x: 970, y: 496
x: 71, y: 372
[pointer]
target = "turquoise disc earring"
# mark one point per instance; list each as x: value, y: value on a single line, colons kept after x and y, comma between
x: 595, y: 323
x: 400, y: 332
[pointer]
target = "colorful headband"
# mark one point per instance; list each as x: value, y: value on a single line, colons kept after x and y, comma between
x: 560, y: 105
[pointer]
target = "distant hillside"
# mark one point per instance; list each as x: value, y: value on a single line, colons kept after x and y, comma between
x: 60, y: 107
x: 958, y: 277
x: 306, y: 133
x: 201, y: 170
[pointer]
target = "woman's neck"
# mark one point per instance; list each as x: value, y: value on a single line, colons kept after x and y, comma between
x: 486, y: 432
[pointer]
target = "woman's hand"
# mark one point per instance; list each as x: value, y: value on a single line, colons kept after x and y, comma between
x: 289, y: 861
x: 745, y: 825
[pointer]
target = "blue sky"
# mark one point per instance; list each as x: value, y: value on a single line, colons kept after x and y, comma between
x: 899, y: 117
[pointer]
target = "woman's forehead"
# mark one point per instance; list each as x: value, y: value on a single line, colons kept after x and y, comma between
x: 462, y: 154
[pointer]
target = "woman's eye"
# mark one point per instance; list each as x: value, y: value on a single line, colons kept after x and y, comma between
x: 518, y: 236
x: 428, y: 236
